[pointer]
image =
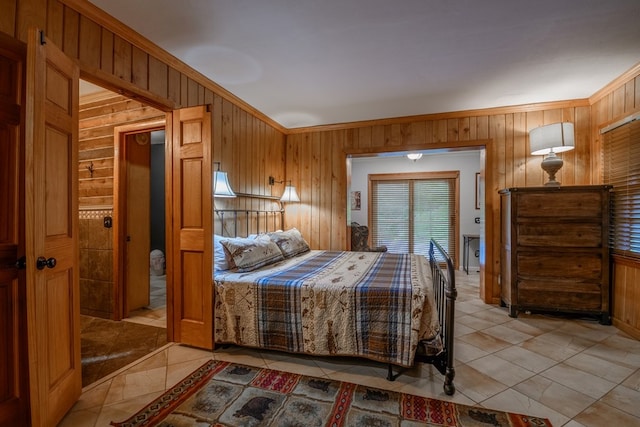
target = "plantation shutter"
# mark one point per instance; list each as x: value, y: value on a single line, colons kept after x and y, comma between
x: 622, y: 170
x: 407, y: 213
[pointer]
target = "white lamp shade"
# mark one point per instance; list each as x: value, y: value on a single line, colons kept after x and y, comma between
x: 290, y: 194
x: 221, y: 186
x: 557, y: 137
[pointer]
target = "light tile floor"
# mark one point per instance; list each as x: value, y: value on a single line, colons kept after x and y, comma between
x: 574, y: 372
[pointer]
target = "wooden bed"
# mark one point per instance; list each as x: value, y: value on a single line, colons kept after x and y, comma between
x: 392, y: 308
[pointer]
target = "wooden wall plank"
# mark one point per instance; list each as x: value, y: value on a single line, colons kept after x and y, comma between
x: 91, y: 35
x: 55, y: 22
x: 255, y: 166
x: 534, y: 174
x: 520, y: 153
x: 452, y: 130
x: 139, y: 68
x: 509, y: 158
x: 174, y: 85
x: 32, y: 13
x: 8, y: 16
x: 71, y: 33
x: 107, y: 52
x: 158, y: 77
x: 237, y: 160
x: 121, y: 58
x: 338, y: 192
x: 184, y: 91
x: 316, y: 172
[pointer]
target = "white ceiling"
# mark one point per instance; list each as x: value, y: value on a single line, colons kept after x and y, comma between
x: 314, y: 62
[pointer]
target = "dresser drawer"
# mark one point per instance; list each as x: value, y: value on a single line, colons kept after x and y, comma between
x: 560, y: 294
x: 558, y: 205
x: 585, y: 235
x: 579, y: 266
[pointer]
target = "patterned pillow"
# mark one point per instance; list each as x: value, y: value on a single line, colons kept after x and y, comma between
x: 250, y: 254
x: 290, y: 242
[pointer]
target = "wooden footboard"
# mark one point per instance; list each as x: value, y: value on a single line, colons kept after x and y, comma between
x: 444, y: 289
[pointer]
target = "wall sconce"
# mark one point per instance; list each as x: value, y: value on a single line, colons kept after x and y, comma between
x: 549, y: 140
x: 221, y: 186
x: 414, y: 156
x: 289, y: 194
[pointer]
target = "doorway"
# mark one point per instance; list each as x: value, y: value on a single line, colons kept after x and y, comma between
x: 144, y: 259
x: 469, y: 162
x: 109, y: 124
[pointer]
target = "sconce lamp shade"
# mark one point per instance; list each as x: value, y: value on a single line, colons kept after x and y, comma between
x: 414, y: 156
x: 290, y: 194
x: 549, y: 140
x: 557, y: 137
x: 221, y: 186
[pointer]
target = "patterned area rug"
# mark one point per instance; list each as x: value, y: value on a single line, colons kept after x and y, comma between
x: 227, y: 394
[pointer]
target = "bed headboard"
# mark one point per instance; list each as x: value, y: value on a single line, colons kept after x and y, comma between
x: 259, y: 214
x: 244, y: 222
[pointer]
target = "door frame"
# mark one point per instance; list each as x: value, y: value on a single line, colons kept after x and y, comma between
x: 120, y: 134
x: 486, y: 148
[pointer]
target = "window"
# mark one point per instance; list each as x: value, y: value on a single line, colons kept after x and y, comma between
x: 622, y: 170
x: 407, y: 210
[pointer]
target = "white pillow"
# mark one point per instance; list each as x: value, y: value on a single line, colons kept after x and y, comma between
x: 220, y: 261
x: 250, y: 254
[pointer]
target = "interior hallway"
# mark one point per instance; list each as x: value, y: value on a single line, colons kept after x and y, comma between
x: 574, y: 372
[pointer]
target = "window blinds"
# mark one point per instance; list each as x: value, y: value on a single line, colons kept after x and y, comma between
x: 406, y: 214
x: 622, y: 170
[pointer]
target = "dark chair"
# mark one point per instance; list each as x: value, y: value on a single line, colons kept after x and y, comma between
x: 360, y: 239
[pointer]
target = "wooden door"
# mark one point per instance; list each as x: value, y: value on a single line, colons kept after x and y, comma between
x: 190, y: 265
x: 13, y: 367
x: 51, y: 212
x: 138, y: 155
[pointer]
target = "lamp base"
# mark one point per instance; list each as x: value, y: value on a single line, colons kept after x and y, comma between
x: 552, y: 164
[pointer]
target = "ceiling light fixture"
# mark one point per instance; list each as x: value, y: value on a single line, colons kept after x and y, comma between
x: 414, y: 156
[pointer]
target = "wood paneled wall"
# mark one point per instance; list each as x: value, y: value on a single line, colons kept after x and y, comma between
x: 240, y: 143
x: 612, y: 103
x: 251, y: 147
x: 250, y: 151
x: 316, y: 162
x: 246, y: 142
x: 99, y: 115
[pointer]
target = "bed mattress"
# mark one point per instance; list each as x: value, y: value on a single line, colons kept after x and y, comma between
x: 366, y: 304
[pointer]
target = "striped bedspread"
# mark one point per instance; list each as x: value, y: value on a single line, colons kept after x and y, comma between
x: 366, y: 304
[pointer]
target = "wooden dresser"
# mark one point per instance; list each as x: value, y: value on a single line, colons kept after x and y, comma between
x: 554, y: 250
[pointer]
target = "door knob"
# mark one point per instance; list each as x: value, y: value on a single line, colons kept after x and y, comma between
x: 43, y: 262
x: 21, y: 263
